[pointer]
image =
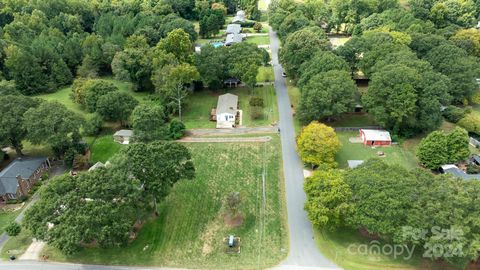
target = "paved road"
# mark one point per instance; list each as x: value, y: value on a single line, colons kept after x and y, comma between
x: 303, y: 250
x: 230, y: 131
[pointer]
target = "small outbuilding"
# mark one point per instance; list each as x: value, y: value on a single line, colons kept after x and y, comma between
x: 352, y: 164
x: 231, y: 82
x: 227, y: 110
x: 233, y: 28
x: 123, y: 136
x: 452, y: 169
x: 375, y: 137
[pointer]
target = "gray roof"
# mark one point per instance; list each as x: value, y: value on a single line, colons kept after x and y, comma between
x: 124, y: 133
x: 352, y: 164
x: 227, y: 103
x: 96, y: 166
x: 455, y: 171
x: 233, y: 38
x: 233, y: 28
x: 24, y: 167
x: 239, y: 17
x: 476, y: 158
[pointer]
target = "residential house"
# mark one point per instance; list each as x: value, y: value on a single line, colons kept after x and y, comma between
x: 233, y: 38
x: 239, y: 17
x: 375, y: 137
x: 123, y: 136
x: 233, y: 28
x: 227, y: 110
x: 20, y: 175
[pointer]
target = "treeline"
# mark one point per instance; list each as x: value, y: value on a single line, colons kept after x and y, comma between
x: 44, y: 45
x: 417, y: 59
x: 102, y: 207
x: 437, y: 215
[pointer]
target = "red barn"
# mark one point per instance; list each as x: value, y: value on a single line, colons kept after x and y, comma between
x: 375, y: 137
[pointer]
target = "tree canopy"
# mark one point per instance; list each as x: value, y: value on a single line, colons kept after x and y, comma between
x: 317, y: 144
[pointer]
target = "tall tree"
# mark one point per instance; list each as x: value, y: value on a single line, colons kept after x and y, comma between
x: 12, y: 128
x: 116, y: 106
x: 317, y: 144
x: 326, y: 95
x: 149, y: 123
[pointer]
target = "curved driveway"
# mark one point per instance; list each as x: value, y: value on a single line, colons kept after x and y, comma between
x: 303, y: 250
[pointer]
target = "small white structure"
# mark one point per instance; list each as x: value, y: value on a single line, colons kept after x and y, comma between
x: 352, y: 164
x: 375, y: 137
x: 123, y: 136
x: 227, y: 109
x: 96, y: 166
x: 240, y: 17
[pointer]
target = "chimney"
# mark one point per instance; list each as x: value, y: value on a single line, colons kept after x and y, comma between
x: 19, y: 181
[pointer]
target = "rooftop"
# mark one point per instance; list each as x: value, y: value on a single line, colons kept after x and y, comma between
x: 227, y: 103
x: 124, y: 133
x: 455, y: 171
x: 23, y: 167
x: 233, y: 28
x: 233, y: 38
x: 352, y: 164
x: 376, y: 135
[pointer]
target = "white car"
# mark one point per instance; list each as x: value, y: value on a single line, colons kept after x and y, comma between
x: 284, y: 74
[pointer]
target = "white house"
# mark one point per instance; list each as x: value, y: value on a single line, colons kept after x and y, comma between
x: 227, y: 109
x: 123, y: 136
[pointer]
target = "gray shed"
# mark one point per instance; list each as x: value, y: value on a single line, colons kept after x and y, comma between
x: 123, y: 136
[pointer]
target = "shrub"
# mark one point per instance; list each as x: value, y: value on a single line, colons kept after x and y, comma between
x: 247, y: 24
x: 13, y: 229
x: 476, y: 98
x: 471, y: 122
x: 453, y: 114
x: 93, y: 126
x: 256, y: 102
x: 177, y: 129
x: 256, y: 112
x: 246, y: 30
x: 473, y: 169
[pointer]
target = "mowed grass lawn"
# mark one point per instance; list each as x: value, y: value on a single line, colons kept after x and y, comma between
x: 190, y: 229
x: 196, y: 112
x: 259, y: 40
x: 63, y: 96
x: 6, y: 217
x: 395, y: 154
x: 103, y: 148
x: 338, y: 246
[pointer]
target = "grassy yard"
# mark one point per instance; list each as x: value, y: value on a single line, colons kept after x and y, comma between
x: 395, y: 154
x: 16, y: 245
x: 190, y: 229
x: 335, y: 246
x: 353, y: 120
x: 103, y: 148
x: 197, y: 110
x: 259, y: 40
x: 6, y: 217
x: 63, y: 96
x: 265, y: 74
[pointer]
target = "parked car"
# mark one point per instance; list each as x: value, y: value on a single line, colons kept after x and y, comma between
x: 284, y: 74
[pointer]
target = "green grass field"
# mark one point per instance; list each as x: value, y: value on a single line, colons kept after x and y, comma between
x: 197, y: 110
x: 190, y: 229
x: 395, y: 154
x: 6, y: 217
x: 259, y: 40
x: 265, y: 74
x: 63, y: 96
x: 16, y: 245
x: 103, y: 148
x: 335, y: 246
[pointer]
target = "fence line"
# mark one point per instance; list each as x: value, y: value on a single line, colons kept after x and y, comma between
x: 337, y: 129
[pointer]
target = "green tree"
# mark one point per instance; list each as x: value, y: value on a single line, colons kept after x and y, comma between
x: 469, y: 40
x: 299, y: 47
x: 86, y: 92
x: 149, y: 123
x: 257, y: 27
x: 178, y: 43
x: 322, y: 61
x: 13, y: 229
x: 328, y: 198
x: 53, y: 124
x: 12, y: 128
x: 116, y: 106
x: 471, y: 122
x: 317, y: 144
x: 157, y: 166
x: 326, y: 95
x: 95, y: 207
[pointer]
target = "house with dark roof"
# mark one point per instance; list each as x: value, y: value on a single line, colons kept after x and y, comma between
x: 233, y: 28
x: 20, y: 175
